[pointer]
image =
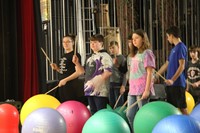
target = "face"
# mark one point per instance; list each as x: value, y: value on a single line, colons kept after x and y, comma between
x: 137, y: 40
x: 68, y: 44
x: 113, y: 50
x: 194, y: 54
x: 95, y: 46
x: 170, y: 38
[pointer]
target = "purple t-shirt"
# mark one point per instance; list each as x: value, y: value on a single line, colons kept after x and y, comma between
x: 138, y: 74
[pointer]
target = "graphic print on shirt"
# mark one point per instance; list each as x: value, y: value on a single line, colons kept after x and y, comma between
x: 63, y: 65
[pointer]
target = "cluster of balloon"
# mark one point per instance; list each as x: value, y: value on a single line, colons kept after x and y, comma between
x: 44, y: 120
x: 9, y: 119
x: 106, y: 121
x: 75, y: 115
x: 36, y: 102
x: 189, y: 101
x: 150, y: 114
x: 177, y: 124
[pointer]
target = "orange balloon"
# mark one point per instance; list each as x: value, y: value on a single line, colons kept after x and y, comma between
x: 9, y: 119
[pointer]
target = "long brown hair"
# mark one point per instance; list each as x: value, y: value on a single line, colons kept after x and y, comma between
x: 146, y: 44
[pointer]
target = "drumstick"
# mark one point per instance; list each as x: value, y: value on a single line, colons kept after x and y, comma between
x: 46, y: 55
x: 52, y: 89
x: 160, y: 75
x: 75, y: 45
x: 165, y: 78
x: 117, y: 101
x: 123, y: 106
x: 133, y: 105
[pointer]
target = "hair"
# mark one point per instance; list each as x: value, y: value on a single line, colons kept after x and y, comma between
x: 72, y: 36
x: 175, y: 31
x: 130, y: 37
x: 146, y: 44
x: 112, y: 43
x: 97, y: 37
x: 194, y: 48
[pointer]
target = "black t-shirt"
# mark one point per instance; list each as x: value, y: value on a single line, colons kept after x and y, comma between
x: 67, y: 67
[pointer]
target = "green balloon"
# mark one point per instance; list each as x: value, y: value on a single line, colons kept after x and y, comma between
x: 150, y: 114
x: 121, y: 112
x: 106, y: 121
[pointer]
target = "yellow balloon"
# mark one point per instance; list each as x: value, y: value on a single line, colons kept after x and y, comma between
x: 190, y: 102
x: 36, y: 102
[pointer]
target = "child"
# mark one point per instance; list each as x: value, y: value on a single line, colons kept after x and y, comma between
x: 141, y: 73
x: 175, y: 66
x: 118, y: 77
x: 68, y: 75
x: 98, y: 69
x: 193, y: 74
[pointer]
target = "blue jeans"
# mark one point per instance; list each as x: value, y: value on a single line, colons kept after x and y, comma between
x: 130, y: 114
x: 113, y: 96
x: 97, y: 103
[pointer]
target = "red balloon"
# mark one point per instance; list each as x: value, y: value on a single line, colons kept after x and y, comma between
x: 9, y: 119
x: 75, y: 114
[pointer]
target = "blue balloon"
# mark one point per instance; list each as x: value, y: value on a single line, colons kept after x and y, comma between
x: 196, y: 113
x: 44, y: 120
x: 177, y: 124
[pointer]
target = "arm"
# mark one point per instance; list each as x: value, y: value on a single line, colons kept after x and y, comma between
x: 148, y: 82
x: 162, y: 69
x: 79, y: 71
x: 178, y: 72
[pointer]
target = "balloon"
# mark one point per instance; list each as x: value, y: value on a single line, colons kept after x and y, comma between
x: 177, y: 124
x: 121, y: 112
x: 44, y: 120
x: 189, y: 101
x: 9, y: 119
x: 75, y: 115
x: 150, y: 114
x: 36, y: 102
x: 196, y: 113
x: 106, y: 122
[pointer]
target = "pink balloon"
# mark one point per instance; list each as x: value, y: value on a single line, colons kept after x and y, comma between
x: 75, y: 115
x: 9, y: 119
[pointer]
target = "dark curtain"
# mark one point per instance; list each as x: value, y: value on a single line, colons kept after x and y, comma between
x: 22, y: 73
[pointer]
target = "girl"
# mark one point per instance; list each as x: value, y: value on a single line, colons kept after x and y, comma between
x: 141, y: 73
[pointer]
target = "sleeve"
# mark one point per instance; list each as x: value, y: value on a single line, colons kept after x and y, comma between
x: 149, y: 59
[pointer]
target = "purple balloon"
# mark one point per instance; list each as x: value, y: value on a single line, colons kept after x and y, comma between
x: 44, y: 120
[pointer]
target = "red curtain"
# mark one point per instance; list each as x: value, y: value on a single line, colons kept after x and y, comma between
x: 28, y: 66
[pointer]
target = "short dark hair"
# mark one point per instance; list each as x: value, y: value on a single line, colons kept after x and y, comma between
x: 193, y: 48
x: 97, y: 37
x: 72, y: 36
x: 113, y: 43
x: 175, y: 31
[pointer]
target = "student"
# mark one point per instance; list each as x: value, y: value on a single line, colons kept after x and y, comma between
x: 141, y: 73
x: 98, y: 69
x: 117, y: 77
x: 193, y: 74
x: 175, y: 66
x: 68, y: 76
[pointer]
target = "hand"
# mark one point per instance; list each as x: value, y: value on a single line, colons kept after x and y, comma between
x: 169, y: 82
x: 115, y: 62
x: 195, y: 85
x: 122, y: 89
x: 146, y: 94
x: 75, y: 60
x: 94, y: 84
x: 62, y: 82
x: 54, y: 66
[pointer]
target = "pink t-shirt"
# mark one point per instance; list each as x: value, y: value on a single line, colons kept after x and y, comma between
x: 138, y: 74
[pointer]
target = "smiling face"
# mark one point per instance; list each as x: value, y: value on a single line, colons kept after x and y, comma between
x: 68, y: 44
x: 137, y: 40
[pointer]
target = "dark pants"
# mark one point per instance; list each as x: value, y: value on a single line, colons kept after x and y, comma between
x: 97, y: 103
x: 114, y: 95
